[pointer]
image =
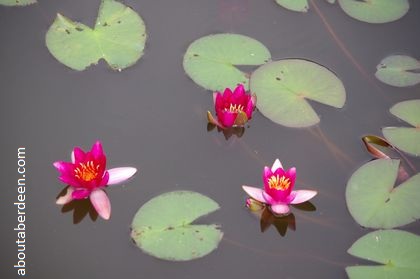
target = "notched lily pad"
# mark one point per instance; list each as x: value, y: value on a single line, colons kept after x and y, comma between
x: 163, y: 227
x: 282, y: 88
x: 406, y: 139
x: 17, y: 2
x: 210, y: 61
x: 375, y: 11
x: 397, y: 253
x: 374, y: 202
x: 399, y: 70
x: 294, y: 5
x: 119, y: 38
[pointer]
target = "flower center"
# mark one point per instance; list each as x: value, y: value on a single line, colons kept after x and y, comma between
x: 279, y: 183
x: 86, y: 171
x: 235, y: 108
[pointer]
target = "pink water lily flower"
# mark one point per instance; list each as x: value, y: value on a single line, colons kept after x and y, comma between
x: 233, y: 109
x: 86, y: 176
x: 278, y: 189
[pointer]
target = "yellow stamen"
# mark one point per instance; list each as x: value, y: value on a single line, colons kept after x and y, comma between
x: 279, y: 183
x: 86, y: 171
x: 235, y: 108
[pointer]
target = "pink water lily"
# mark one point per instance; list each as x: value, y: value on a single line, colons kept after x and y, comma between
x: 86, y: 176
x: 278, y: 190
x: 233, y: 109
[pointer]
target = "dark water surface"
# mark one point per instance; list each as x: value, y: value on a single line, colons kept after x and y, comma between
x: 152, y: 116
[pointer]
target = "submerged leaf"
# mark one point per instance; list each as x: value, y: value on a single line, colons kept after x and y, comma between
x: 210, y: 61
x: 118, y: 38
x: 375, y: 11
x: 397, y: 253
x: 162, y: 227
x: 406, y: 138
x: 282, y: 88
x: 374, y: 202
x: 399, y: 70
x: 17, y: 2
x: 294, y: 5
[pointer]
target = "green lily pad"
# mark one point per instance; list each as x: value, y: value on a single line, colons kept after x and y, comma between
x: 17, y: 2
x: 162, y: 226
x: 397, y: 252
x: 118, y: 37
x: 375, y: 11
x: 405, y: 138
x: 374, y: 202
x: 399, y: 70
x: 282, y: 88
x: 294, y: 5
x: 210, y: 61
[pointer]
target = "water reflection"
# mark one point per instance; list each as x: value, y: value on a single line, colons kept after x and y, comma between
x: 229, y: 132
x: 281, y: 223
x: 80, y: 208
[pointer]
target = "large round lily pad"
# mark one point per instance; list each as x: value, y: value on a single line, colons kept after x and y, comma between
x: 210, y: 61
x: 374, y: 202
x: 162, y: 226
x: 17, y: 2
x: 399, y: 70
x: 118, y: 37
x: 294, y: 5
x: 397, y: 253
x: 282, y: 88
x: 406, y: 138
x: 375, y: 11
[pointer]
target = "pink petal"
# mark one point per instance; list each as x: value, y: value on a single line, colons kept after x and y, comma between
x: 118, y: 175
x: 268, y: 199
x: 249, y: 109
x: 255, y: 193
x: 239, y: 90
x: 78, y: 155
x: 280, y: 209
x: 101, y: 203
x: 215, y: 97
x: 213, y: 121
x: 276, y: 165
x: 66, y: 198
x: 104, y: 181
x: 97, y: 150
x: 80, y: 194
x: 253, y: 100
x: 303, y: 196
x: 227, y: 118
x: 73, y: 159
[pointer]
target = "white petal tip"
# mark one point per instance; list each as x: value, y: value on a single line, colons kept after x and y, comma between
x: 119, y: 175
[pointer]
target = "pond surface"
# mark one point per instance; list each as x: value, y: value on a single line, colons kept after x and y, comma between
x: 152, y: 116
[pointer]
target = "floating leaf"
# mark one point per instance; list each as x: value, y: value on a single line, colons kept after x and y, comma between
x: 374, y: 202
x: 399, y: 70
x: 282, y: 88
x: 406, y: 138
x: 210, y: 61
x: 294, y: 5
x: 331, y: 1
x: 375, y: 11
x: 118, y: 37
x: 162, y: 227
x: 397, y: 252
x: 17, y: 2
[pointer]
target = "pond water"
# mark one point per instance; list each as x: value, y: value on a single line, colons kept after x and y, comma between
x: 153, y: 117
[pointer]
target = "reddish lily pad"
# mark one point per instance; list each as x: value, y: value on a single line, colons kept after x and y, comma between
x: 119, y: 38
x: 375, y: 11
x: 399, y: 70
x: 283, y: 87
x: 406, y: 139
x: 374, y: 202
x: 163, y: 227
x: 210, y: 61
x: 396, y: 255
x: 17, y: 2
